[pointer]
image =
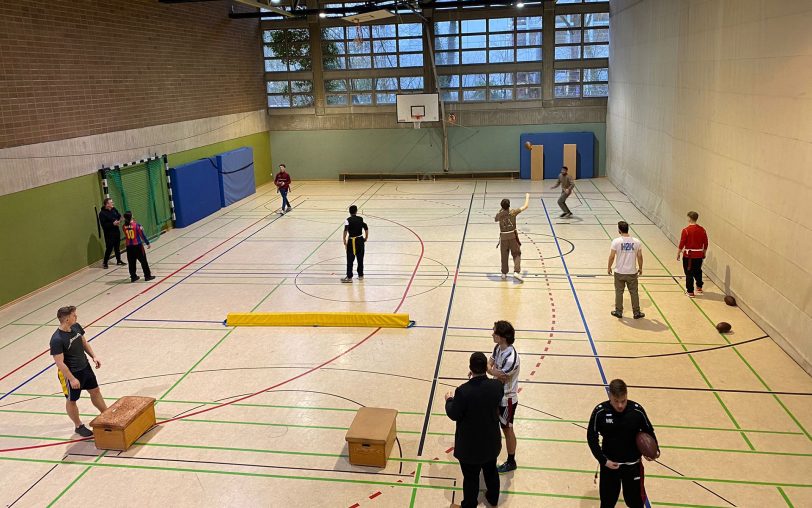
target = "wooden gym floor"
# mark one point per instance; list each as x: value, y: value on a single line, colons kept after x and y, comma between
x: 733, y: 421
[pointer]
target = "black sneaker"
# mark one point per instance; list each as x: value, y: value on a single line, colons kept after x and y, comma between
x: 568, y: 215
x: 149, y: 278
x: 617, y: 314
x: 84, y: 431
x: 506, y: 467
x: 346, y: 279
x: 121, y: 263
x: 562, y: 215
x: 638, y: 315
x: 133, y: 279
x: 104, y: 266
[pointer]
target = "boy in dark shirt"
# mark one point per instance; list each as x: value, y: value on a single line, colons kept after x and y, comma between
x: 109, y: 219
x: 68, y: 347
x: 354, y: 242
x: 282, y: 182
x: 619, y: 420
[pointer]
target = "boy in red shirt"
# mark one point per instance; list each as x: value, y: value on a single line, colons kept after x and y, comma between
x: 692, y: 245
x: 282, y: 182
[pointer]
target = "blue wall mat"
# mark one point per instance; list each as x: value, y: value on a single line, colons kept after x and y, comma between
x: 195, y: 191
x: 554, y: 153
x: 236, y: 174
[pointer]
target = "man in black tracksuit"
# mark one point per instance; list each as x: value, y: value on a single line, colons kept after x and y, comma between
x: 109, y: 219
x: 477, y: 439
x: 354, y: 242
x: 619, y: 420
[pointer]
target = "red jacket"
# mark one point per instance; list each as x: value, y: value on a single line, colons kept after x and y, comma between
x: 694, y: 242
x: 282, y: 181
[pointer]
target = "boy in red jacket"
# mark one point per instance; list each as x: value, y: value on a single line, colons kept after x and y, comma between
x: 692, y: 245
x: 282, y: 182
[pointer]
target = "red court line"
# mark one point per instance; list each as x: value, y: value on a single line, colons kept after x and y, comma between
x: 309, y: 371
x: 373, y: 496
x: 125, y: 302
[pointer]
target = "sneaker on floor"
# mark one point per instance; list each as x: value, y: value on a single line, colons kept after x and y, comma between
x: 346, y: 279
x: 83, y: 431
x: 360, y: 277
x: 151, y: 277
x: 506, y: 467
x: 518, y: 276
x: 638, y: 315
x: 617, y: 314
x: 504, y: 276
x: 289, y: 209
x: 691, y: 295
x: 568, y: 215
x: 104, y: 266
x: 121, y: 263
x: 562, y: 215
x: 699, y: 291
x: 133, y: 279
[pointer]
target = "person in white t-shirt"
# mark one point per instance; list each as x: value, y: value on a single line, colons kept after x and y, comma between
x: 504, y: 366
x: 627, y: 255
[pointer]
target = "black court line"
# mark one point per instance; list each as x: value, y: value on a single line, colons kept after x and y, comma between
x: 647, y: 387
x: 440, y: 349
x: 621, y: 357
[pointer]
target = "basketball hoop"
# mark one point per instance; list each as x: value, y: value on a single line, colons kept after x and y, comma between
x: 416, y: 119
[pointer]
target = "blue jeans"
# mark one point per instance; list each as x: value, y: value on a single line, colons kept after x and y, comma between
x: 285, y: 202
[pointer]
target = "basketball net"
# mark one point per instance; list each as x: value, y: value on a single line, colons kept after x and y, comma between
x: 416, y: 119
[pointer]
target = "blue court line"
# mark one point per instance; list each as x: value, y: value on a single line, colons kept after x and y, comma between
x: 491, y: 329
x: 580, y: 310
x: 9, y: 392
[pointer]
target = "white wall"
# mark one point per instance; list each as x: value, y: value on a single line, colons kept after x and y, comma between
x: 710, y: 109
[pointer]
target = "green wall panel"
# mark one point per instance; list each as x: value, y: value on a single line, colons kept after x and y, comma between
x: 324, y: 154
x: 50, y: 231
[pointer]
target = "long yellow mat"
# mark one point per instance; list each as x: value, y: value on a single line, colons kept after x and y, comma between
x: 354, y: 319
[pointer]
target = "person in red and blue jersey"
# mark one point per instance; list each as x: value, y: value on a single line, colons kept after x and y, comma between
x: 282, y: 182
x: 135, y: 239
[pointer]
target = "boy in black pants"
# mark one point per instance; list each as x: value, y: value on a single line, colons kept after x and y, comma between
x: 619, y: 420
x: 354, y: 242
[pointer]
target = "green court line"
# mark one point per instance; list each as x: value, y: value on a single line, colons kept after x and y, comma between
x: 419, y: 462
x: 160, y: 399
x: 416, y: 481
x: 735, y: 349
x: 71, y: 484
x: 353, y: 410
x: 698, y: 369
x: 786, y: 498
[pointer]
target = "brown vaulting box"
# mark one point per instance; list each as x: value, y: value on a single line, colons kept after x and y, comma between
x: 371, y: 436
x: 123, y: 423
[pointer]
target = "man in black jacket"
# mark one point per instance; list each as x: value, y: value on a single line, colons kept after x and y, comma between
x: 109, y: 219
x: 477, y: 440
x: 619, y: 420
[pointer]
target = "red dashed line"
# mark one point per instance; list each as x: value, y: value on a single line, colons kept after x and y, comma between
x: 373, y: 496
x: 356, y: 505
x: 533, y: 373
x: 450, y: 450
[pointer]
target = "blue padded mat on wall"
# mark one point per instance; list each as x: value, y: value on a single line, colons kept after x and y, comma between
x: 195, y: 191
x: 554, y: 153
x: 236, y: 170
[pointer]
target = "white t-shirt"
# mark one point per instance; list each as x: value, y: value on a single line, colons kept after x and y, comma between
x: 507, y: 360
x: 626, y: 249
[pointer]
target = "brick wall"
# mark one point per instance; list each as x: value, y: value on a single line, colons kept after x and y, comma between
x: 72, y: 68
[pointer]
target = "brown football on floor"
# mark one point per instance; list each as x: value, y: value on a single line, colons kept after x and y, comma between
x: 647, y: 445
x: 723, y: 327
x: 730, y: 301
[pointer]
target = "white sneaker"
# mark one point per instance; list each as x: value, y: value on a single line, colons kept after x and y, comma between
x: 518, y: 276
x: 504, y: 276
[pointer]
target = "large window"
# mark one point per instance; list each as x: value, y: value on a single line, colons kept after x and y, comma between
x: 488, y: 41
x: 581, y: 38
x: 287, y: 53
x: 370, y: 91
x: 491, y: 87
x: 373, y: 46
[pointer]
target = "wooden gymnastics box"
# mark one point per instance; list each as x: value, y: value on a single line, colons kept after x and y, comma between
x: 123, y: 422
x: 371, y: 436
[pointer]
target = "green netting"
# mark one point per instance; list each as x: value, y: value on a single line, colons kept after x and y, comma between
x: 142, y: 190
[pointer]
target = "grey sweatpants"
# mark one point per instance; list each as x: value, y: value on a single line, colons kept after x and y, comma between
x: 511, y: 246
x: 562, y: 202
x: 623, y: 280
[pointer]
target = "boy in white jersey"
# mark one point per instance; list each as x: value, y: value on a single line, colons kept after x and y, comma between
x: 627, y: 255
x: 504, y: 366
